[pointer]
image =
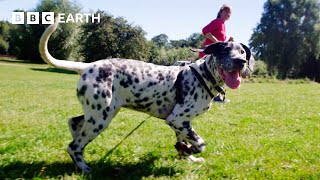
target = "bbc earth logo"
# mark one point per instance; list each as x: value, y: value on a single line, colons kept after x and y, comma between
x: 49, y: 18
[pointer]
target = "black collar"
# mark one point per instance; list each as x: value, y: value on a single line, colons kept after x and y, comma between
x: 211, y: 79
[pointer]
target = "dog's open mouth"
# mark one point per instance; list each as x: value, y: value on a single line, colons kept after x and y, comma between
x: 232, y: 79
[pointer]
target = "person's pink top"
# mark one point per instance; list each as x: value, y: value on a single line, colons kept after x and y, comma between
x: 217, y: 29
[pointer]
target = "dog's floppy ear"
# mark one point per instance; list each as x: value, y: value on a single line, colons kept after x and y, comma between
x: 215, y: 48
x: 248, y: 52
x: 249, y: 57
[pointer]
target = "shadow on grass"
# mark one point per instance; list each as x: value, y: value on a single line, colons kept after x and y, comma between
x: 15, y: 61
x: 54, y: 70
x: 104, y: 169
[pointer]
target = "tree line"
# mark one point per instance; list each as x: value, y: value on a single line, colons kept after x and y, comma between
x: 113, y: 37
x: 286, y: 40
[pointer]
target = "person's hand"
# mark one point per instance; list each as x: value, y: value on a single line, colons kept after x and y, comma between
x: 231, y: 39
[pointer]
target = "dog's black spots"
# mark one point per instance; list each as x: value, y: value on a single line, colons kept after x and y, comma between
x: 96, y: 130
x: 192, y: 91
x: 161, y: 77
x: 150, y: 84
x: 96, y: 96
x: 192, y: 135
x: 76, y: 121
x: 137, y: 95
x: 145, y: 99
x: 100, y: 127
x: 93, y: 107
x: 124, y: 84
x: 113, y: 89
x: 205, y: 109
x: 84, y: 76
x: 91, y: 70
x: 141, y: 90
x: 164, y: 93
x: 79, y: 141
x: 83, y: 134
x: 181, y: 114
x: 159, y: 102
x: 104, y: 73
x: 95, y: 85
x: 123, y: 67
x: 128, y: 100
x: 108, y: 109
x: 91, y: 120
x: 197, y: 114
x: 130, y: 81
x: 117, y: 76
x: 186, y: 110
x: 78, y: 159
x: 186, y: 124
x: 105, y: 115
x: 73, y: 146
x: 201, y: 145
x: 136, y: 80
x: 195, y: 97
x: 82, y: 91
x: 99, y: 107
x: 108, y: 94
x: 103, y: 94
x: 148, y: 104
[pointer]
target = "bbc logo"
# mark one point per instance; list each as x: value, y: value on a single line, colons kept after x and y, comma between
x: 32, y: 18
x: 49, y: 18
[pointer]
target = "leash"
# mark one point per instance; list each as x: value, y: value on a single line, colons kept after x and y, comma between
x: 128, y: 135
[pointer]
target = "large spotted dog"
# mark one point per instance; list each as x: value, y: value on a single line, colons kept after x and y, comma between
x: 176, y: 94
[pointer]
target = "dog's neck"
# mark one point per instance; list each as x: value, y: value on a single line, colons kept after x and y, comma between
x: 212, y: 68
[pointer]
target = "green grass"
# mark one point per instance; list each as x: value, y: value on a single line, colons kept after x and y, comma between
x: 267, y: 131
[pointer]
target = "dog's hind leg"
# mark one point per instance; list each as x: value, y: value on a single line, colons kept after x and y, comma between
x: 94, y: 123
x: 75, y: 125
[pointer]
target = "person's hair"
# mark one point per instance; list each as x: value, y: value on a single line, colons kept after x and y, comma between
x: 223, y: 7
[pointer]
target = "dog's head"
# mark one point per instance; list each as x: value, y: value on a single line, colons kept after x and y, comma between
x: 233, y: 61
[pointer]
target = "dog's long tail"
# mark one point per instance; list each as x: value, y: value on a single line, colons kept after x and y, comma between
x: 46, y: 56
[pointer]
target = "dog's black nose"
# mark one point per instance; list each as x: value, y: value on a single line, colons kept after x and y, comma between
x: 240, y: 61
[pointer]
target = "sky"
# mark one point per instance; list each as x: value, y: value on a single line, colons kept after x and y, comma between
x: 178, y: 19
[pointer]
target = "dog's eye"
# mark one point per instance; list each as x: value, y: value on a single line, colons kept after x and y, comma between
x: 242, y: 51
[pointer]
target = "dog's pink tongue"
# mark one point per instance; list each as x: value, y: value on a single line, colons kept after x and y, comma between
x: 232, y: 79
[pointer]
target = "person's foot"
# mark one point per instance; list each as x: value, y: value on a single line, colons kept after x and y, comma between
x: 219, y: 99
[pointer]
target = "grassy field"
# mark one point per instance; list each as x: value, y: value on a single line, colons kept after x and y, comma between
x: 267, y: 131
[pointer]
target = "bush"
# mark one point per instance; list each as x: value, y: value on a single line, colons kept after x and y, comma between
x: 4, y: 46
x: 260, y: 69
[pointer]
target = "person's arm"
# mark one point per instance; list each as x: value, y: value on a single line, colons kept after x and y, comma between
x: 206, y: 31
x: 211, y: 37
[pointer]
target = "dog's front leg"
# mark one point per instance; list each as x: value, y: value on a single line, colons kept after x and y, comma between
x: 186, y: 134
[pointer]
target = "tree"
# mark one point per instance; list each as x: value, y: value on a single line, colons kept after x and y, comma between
x: 4, y: 37
x: 113, y: 37
x: 196, y: 40
x: 161, y: 40
x: 25, y: 38
x: 287, y: 35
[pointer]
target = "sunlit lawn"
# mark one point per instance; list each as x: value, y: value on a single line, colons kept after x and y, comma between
x: 267, y: 131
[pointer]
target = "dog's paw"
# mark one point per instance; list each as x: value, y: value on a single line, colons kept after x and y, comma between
x: 194, y: 159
